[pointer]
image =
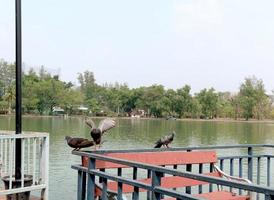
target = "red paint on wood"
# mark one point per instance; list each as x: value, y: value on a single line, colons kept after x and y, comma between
x: 219, y: 195
x: 158, y: 158
x: 166, y: 182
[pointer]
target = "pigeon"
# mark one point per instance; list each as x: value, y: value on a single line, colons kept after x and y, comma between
x: 96, y: 133
x: 164, y: 141
x: 78, y: 143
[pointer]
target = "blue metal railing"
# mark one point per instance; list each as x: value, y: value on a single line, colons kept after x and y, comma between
x: 247, y: 167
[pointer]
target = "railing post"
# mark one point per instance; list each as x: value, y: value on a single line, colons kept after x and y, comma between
x: 269, y: 197
x: 231, y: 170
x: 134, y: 178
x: 45, y: 166
x: 188, y: 169
x: 240, y: 172
x: 222, y: 164
x: 136, y: 193
x: 250, y: 163
x: 104, y: 191
x: 120, y: 191
x: 91, y: 180
x: 268, y: 171
x: 81, y: 191
x: 211, y: 168
x: 156, y: 181
x: 148, y: 192
x: 200, y: 172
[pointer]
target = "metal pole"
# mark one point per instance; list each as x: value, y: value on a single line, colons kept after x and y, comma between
x: 18, y: 61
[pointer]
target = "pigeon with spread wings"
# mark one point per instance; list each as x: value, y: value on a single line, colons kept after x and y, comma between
x: 97, y: 133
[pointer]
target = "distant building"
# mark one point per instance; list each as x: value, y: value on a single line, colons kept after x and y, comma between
x: 83, y: 108
x: 58, y: 111
x: 137, y: 113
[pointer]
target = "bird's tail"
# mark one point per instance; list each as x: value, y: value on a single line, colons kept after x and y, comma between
x: 158, y: 145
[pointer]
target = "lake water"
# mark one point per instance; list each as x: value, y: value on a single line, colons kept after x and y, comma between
x: 132, y: 133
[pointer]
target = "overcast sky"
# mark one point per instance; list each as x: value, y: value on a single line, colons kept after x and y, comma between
x: 203, y: 43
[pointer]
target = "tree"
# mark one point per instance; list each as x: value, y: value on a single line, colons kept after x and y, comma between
x: 87, y: 83
x: 43, y: 74
x: 169, y: 101
x: 253, y: 99
x: 29, y: 94
x: 196, y: 110
x: 208, y: 100
x: 150, y: 100
x: 7, y: 73
x: 183, y: 101
x: 9, y: 97
x: 7, y: 81
x: 235, y: 103
x: 224, y: 105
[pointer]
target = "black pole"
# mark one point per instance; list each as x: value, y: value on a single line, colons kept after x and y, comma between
x: 18, y: 61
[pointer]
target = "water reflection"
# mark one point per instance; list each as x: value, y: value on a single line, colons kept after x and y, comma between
x: 133, y: 133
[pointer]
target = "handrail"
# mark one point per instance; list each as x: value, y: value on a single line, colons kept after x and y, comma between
x: 253, y: 156
x: 34, y: 164
x: 135, y: 183
x: 201, y: 177
x: 113, y: 177
x: 25, y: 134
x: 184, y: 148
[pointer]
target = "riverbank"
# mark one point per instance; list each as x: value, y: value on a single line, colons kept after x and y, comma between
x: 151, y: 118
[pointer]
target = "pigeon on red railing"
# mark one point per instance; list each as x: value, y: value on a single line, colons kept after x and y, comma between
x: 78, y: 143
x: 165, y: 141
x: 97, y: 133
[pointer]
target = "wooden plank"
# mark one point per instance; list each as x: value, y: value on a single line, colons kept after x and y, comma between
x: 158, y: 158
x: 166, y: 182
x: 219, y: 195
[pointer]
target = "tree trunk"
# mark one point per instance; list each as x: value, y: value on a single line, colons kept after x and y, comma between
x: 9, y: 109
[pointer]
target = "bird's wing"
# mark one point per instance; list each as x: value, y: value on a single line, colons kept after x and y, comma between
x: 170, y: 137
x: 159, y: 141
x: 79, y: 140
x: 106, y: 124
x: 86, y: 142
x: 90, y: 123
x: 76, y: 141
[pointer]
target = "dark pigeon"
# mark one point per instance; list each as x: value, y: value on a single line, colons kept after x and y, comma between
x: 97, y: 133
x: 165, y: 141
x: 78, y: 143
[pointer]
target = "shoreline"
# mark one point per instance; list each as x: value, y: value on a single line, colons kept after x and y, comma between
x: 151, y: 118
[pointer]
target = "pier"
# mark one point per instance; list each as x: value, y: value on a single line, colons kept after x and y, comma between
x: 254, y: 162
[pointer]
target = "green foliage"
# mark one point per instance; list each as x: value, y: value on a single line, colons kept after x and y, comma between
x: 42, y: 92
x: 7, y: 85
x: 150, y: 99
x: 253, y: 99
x: 208, y: 100
x: 184, y: 102
x: 224, y: 106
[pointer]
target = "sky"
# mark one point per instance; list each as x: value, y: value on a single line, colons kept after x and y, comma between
x: 202, y: 43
